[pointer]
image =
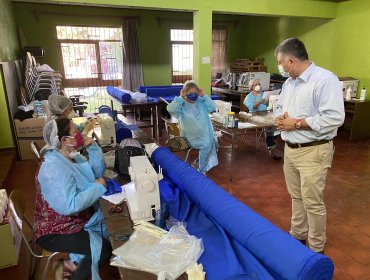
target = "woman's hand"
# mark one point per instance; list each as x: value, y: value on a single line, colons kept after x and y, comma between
x: 88, y: 141
x: 183, y: 93
x: 262, y: 101
x: 200, y: 92
x: 101, y: 181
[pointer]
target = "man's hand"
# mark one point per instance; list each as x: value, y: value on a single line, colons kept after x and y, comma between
x: 285, y: 123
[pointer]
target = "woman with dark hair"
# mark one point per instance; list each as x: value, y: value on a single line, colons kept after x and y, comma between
x: 67, y: 214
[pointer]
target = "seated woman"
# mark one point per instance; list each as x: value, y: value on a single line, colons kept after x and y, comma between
x: 68, y: 217
x: 254, y: 102
x: 191, y: 108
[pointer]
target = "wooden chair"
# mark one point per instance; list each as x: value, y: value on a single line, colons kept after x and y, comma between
x: 18, y: 214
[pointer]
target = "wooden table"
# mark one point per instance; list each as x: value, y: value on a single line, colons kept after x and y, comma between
x: 152, y: 106
x: 236, y: 97
x: 357, y: 119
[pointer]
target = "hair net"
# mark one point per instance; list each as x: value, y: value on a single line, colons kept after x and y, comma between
x: 189, y: 84
x: 58, y: 104
x: 251, y: 82
x: 51, y: 138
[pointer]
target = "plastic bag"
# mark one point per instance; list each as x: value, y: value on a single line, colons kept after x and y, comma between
x: 156, y: 251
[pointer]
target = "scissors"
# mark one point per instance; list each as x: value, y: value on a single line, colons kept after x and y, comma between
x: 115, y: 209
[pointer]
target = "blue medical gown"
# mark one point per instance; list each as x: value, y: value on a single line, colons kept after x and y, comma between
x: 249, y: 101
x: 70, y: 188
x: 197, y: 128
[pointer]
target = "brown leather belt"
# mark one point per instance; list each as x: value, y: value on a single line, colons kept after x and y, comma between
x: 314, y: 143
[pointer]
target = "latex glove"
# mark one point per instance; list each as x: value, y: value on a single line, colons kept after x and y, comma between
x: 89, y: 125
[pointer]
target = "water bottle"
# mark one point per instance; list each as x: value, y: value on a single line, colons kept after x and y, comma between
x: 363, y: 94
x: 231, y: 120
x: 39, y: 111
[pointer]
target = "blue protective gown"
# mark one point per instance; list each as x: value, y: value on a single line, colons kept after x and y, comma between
x: 70, y: 188
x: 197, y: 128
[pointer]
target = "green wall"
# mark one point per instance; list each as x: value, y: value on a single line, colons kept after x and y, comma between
x: 9, y: 50
x: 265, y: 33
x: 351, y: 46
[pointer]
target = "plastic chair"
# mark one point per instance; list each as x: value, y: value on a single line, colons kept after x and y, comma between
x: 18, y: 214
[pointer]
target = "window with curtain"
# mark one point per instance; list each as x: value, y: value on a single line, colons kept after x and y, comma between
x: 182, y: 53
x: 219, y: 42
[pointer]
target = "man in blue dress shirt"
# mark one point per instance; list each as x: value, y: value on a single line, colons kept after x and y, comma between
x: 309, y: 111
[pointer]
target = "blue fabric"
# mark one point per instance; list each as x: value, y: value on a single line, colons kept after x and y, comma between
x: 215, y: 97
x: 123, y: 131
x: 166, y: 91
x: 239, y: 243
x: 112, y: 187
x: 143, y: 88
x: 70, y: 188
x: 197, y: 128
x: 121, y: 95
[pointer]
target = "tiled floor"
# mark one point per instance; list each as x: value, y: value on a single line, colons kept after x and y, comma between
x: 258, y: 181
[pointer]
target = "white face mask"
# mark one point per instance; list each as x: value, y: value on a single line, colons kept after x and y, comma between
x: 282, y: 71
x: 257, y: 88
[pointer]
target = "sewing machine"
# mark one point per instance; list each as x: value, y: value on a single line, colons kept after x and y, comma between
x: 244, y: 78
x: 105, y: 133
x: 143, y: 195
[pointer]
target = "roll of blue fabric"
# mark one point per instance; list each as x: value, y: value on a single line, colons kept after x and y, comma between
x: 104, y: 109
x: 143, y: 88
x: 122, y: 132
x: 279, y: 253
x: 121, y: 95
x: 156, y: 92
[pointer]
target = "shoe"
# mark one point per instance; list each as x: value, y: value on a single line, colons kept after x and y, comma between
x: 321, y: 252
x: 275, y: 153
x: 302, y: 241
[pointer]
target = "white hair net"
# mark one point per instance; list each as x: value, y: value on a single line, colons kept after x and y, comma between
x: 189, y: 84
x: 58, y: 104
x: 251, y: 82
x: 51, y: 138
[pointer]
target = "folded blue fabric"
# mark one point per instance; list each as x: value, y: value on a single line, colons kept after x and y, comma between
x: 265, y: 251
x: 215, y: 97
x: 112, y: 187
x: 121, y: 95
x: 166, y: 91
x: 143, y: 88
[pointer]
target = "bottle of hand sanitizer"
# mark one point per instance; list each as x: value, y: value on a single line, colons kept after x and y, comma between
x: 348, y: 94
x: 363, y: 93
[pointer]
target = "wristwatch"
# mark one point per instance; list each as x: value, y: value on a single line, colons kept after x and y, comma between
x: 298, y: 124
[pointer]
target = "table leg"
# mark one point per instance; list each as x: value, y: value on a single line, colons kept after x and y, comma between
x: 152, y: 116
x: 233, y: 136
x: 158, y: 117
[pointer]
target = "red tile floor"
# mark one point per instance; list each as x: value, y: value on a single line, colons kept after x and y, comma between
x: 258, y: 181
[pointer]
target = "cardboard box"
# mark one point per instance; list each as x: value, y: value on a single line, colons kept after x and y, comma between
x: 24, y: 147
x: 29, y: 127
x: 10, y: 243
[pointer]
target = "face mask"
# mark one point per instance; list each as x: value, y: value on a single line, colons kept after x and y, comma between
x: 80, y: 141
x: 257, y: 88
x: 282, y: 71
x: 193, y: 96
x: 72, y: 115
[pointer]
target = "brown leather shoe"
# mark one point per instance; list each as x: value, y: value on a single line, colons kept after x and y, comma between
x: 276, y: 153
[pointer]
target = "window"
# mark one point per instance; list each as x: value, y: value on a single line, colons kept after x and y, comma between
x: 90, y: 59
x: 182, y: 53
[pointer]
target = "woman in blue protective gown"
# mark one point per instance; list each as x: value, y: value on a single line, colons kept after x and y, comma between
x: 68, y: 217
x: 191, y: 108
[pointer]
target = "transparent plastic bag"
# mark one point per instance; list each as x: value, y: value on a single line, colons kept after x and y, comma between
x: 159, y: 252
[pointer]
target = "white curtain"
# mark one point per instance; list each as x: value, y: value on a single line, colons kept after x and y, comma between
x: 219, y: 40
x: 132, y: 67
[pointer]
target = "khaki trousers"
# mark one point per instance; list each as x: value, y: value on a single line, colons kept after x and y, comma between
x: 305, y: 172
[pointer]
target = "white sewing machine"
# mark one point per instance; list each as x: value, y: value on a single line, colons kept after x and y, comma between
x: 245, y: 78
x: 105, y: 133
x: 143, y: 194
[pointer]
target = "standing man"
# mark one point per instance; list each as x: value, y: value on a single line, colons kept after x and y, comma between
x: 309, y: 111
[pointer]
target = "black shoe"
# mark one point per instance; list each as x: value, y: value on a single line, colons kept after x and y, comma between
x: 321, y: 252
x: 275, y: 153
x: 302, y: 241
